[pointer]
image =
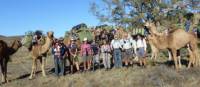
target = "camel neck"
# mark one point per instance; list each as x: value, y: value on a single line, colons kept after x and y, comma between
x: 12, y: 49
x: 155, y: 31
x: 46, y: 46
x: 161, y: 42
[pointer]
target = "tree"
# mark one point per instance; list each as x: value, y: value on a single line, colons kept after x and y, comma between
x: 132, y: 13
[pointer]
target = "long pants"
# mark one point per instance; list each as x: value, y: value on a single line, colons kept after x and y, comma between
x: 106, y: 60
x: 187, y: 28
x: 96, y: 58
x: 59, y: 65
x: 117, y: 58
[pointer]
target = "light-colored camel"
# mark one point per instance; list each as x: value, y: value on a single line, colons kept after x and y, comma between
x: 155, y: 51
x: 39, y: 52
x: 176, y: 39
x: 5, y: 52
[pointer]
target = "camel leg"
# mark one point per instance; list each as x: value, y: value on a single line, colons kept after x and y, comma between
x: 42, y: 66
x: 175, y: 58
x: 5, y: 71
x: 2, y: 72
x: 152, y: 55
x: 170, y: 55
x: 179, y: 62
x: 33, y: 68
x: 179, y: 58
x: 34, y: 71
x: 197, y: 57
x: 190, y: 60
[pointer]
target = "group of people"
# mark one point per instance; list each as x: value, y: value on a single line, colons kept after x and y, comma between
x: 112, y: 53
x: 112, y: 49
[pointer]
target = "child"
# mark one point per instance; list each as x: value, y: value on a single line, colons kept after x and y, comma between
x: 106, y: 50
x: 141, y: 49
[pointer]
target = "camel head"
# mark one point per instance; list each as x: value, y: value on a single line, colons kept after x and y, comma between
x: 50, y: 35
x: 151, y: 28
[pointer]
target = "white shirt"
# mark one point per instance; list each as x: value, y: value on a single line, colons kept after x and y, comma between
x: 127, y: 44
x: 141, y: 43
x: 115, y: 44
x: 133, y: 42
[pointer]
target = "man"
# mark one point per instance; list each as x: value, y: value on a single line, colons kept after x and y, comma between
x: 117, y: 54
x: 96, y: 54
x: 37, y: 38
x: 73, y: 48
x: 187, y: 25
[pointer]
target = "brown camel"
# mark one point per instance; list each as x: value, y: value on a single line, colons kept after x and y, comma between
x: 40, y: 52
x: 176, y: 39
x: 5, y: 53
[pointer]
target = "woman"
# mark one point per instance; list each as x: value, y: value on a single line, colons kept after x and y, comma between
x: 117, y: 54
x: 106, y: 50
x: 73, y: 49
x: 86, y: 54
x: 128, y: 53
x: 141, y: 49
x: 58, y: 51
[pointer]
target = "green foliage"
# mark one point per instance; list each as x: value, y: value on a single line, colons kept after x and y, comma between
x: 27, y: 40
x: 85, y: 33
x: 131, y: 12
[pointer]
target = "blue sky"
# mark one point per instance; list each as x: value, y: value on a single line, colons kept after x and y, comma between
x: 19, y: 16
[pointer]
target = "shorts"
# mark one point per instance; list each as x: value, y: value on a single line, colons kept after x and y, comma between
x: 75, y: 59
x: 128, y: 54
x: 86, y: 58
x: 140, y: 52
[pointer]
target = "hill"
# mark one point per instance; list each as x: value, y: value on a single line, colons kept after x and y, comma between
x: 9, y: 39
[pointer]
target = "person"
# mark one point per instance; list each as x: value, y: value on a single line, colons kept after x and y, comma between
x: 73, y: 49
x: 117, y: 54
x: 187, y: 25
x: 37, y: 38
x: 86, y: 53
x: 140, y: 49
x: 66, y: 51
x: 198, y: 29
x: 128, y: 53
x: 106, y: 50
x: 96, y: 54
x: 58, y: 52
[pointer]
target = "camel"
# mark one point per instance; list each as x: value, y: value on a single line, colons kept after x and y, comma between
x: 39, y: 52
x: 5, y: 53
x: 154, y: 52
x: 176, y: 39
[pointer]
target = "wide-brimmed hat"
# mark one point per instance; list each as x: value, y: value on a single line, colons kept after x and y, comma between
x: 85, y: 39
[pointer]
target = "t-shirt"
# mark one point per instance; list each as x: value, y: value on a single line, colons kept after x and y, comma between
x: 116, y: 44
x: 73, y: 47
x: 95, y: 48
x: 105, y: 48
x: 86, y: 49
